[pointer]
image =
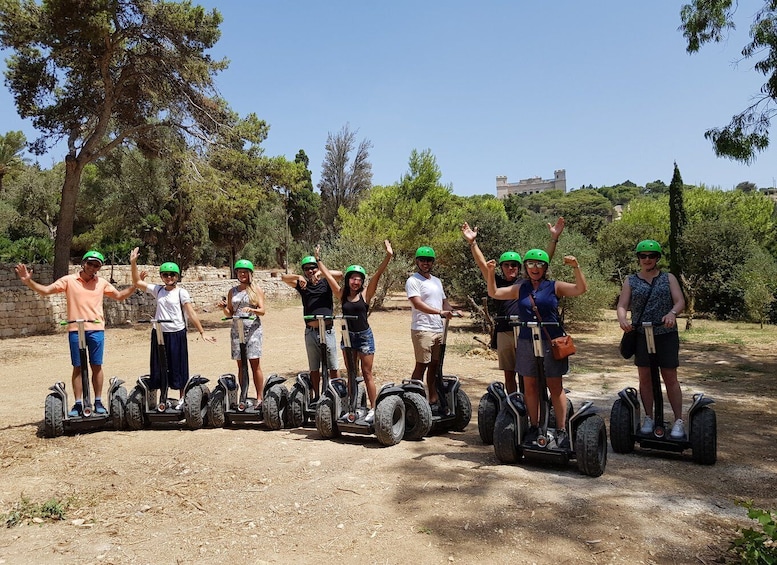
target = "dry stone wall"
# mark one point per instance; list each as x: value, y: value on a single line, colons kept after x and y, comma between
x: 24, y: 312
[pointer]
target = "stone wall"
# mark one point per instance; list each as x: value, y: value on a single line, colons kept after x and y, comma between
x: 24, y: 312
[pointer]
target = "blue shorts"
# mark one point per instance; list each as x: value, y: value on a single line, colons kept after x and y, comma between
x: 95, y: 345
x: 314, y: 354
x: 363, y: 342
x: 177, y: 353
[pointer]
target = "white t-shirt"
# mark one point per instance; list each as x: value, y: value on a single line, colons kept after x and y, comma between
x: 169, y: 306
x: 431, y: 293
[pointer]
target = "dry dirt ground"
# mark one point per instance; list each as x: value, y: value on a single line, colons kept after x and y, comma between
x: 251, y: 495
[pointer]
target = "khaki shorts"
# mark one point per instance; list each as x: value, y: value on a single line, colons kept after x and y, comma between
x: 426, y: 346
x: 505, y: 348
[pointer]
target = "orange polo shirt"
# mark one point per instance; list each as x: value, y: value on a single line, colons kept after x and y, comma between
x: 85, y: 299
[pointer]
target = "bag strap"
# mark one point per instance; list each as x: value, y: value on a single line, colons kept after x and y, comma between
x: 537, y: 313
x: 652, y: 285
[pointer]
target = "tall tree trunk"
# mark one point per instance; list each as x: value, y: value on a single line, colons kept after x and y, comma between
x: 67, y: 215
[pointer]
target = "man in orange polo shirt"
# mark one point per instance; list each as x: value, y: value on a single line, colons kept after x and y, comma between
x: 84, y: 293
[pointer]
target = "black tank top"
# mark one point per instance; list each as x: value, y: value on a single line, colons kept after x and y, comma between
x: 359, y: 309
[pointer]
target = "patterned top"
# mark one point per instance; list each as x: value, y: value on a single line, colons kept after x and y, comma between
x: 660, y: 302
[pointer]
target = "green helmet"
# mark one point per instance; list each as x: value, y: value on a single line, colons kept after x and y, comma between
x: 93, y: 255
x: 355, y: 269
x: 649, y: 245
x: 536, y: 255
x: 425, y: 251
x: 244, y: 264
x: 308, y: 260
x: 509, y: 256
x: 170, y: 267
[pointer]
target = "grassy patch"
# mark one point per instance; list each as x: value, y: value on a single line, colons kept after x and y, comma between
x: 27, y: 511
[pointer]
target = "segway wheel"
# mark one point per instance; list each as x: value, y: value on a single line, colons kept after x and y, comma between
x: 621, y: 437
x: 506, y: 439
x: 119, y: 408
x: 390, y: 420
x: 136, y: 418
x: 216, y: 417
x: 325, y: 418
x: 463, y: 411
x: 274, y: 405
x: 195, y: 406
x: 487, y: 412
x: 704, y: 436
x: 591, y: 446
x: 295, y: 413
x: 53, y: 417
x: 418, y: 416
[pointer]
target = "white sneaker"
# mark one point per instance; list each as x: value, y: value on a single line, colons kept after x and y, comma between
x: 678, y: 430
x: 370, y: 417
x: 179, y: 406
x: 647, y: 425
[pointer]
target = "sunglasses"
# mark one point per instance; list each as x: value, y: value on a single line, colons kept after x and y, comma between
x: 426, y: 260
x: 165, y: 275
x: 309, y: 268
x: 511, y: 264
x: 95, y: 264
x: 535, y: 264
x: 648, y: 255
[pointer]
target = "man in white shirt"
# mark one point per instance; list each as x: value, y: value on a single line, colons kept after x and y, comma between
x: 429, y: 304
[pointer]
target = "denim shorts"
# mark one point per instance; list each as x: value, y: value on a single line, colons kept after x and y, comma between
x: 363, y: 342
x: 95, y: 345
x: 313, y: 351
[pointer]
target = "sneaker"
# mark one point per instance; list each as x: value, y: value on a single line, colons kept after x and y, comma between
x: 370, y: 417
x: 531, y: 435
x: 678, y: 430
x: 647, y: 426
x: 76, y: 411
x: 99, y: 408
x: 179, y: 406
x: 562, y: 439
x: 435, y: 409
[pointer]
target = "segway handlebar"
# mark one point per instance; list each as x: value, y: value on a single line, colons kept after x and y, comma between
x: 239, y: 317
x: 153, y: 320
x: 66, y: 322
x: 651, y: 324
x: 516, y: 321
x: 312, y: 317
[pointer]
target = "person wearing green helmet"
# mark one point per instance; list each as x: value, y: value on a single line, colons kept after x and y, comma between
x: 355, y: 301
x: 655, y: 296
x: 247, y: 298
x: 316, y: 295
x: 510, y: 264
x: 537, y: 299
x: 428, y: 305
x: 174, y: 304
x: 84, y: 294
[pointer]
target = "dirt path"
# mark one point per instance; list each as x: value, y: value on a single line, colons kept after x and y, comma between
x: 251, y: 495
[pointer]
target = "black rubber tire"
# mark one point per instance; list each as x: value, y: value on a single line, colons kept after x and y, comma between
x: 53, y: 418
x: 506, y: 446
x: 390, y: 420
x: 704, y: 436
x: 195, y: 406
x: 119, y: 409
x: 591, y: 446
x: 216, y: 418
x: 136, y: 406
x: 463, y: 411
x: 621, y: 437
x: 487, y: 413
x: 295, y: 413
x: 274, y: 405
x: 418, y: 416
x: 325, y: 418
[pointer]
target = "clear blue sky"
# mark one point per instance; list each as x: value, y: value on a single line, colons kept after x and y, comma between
x: 602, y: 89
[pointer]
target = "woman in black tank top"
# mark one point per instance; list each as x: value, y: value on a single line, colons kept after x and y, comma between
x: 355, y: 301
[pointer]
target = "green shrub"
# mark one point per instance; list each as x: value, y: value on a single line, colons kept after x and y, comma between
x: 755, y: 547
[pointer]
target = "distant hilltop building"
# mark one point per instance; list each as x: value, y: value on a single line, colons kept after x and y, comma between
x: 532, y: 185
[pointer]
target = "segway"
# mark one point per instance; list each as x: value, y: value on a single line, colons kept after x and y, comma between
x: 303, y: 399
x: 224, y: 406
x: 584, y: 428
x: 702, y: 435
x: 400, y: 411
x: 454, y: 409
x: 491, y: 402
x: 57, y: 421
x: 143, y: 409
